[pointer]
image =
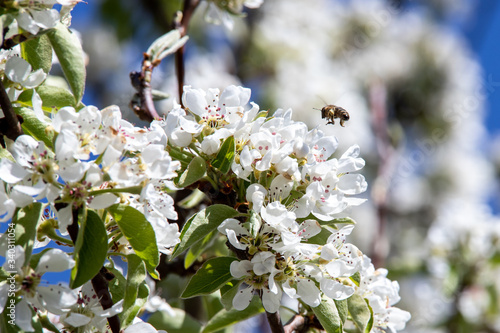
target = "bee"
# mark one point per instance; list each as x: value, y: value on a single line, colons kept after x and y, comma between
x: 331, y: 112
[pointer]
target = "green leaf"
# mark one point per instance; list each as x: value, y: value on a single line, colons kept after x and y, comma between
x: 180, y: 322
x: 26, y: 221
x: 328, y: 315
x: 320, y: 238
x: 210, y: 277
x: 34, y: 127
x: 139, y: 233
x: 136, y: 275
x: 226, y: 318
x: 212, y: 304
x: 225, y: 157
x: 342, y: 309
x: 360, y: 312
x: 117, y: 286
x: 90, y: 254
x: 228, y: 291
x: 38, y: 53
x: 197, y: 249
x: 70, y: 54
x: 199, y: 225
x: 52, y: 97
x: 195, y: 170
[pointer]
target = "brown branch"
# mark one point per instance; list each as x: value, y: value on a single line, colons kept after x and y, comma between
x: 274, y: 321
x: 297, y: 323
x: 145, y: 109
x: 181, y: 23
x: 9, y: 124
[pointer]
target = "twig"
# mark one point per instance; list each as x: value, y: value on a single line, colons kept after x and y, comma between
x: 181, y: 23
x: 9, y: 124
x: 297, y: 323
x: 145, y: 109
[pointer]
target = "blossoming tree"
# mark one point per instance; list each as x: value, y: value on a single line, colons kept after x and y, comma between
x: 83, y: 190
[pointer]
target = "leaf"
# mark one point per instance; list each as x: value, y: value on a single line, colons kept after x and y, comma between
x: 34, y: 127
x: 212, y: 304
x: 210, y: 277
x: 342, y: 309
x: 225, y: 157
x: 26, y: 221
x: 117, y: 286
x: 139, y: 233
x: 328, y: 315
x: 228, y: 292
x: 320, y: 238
x: 69, y: 51
x: 180, y: 322
x: 136, y: 275
x: 226, y: 318
x: 52, y: 97
x: 38, y: 53
x: 91, y: 253
x: 360, y: 312
x: 197, y: 249
x: 195, y: 170
x: 199, y: 225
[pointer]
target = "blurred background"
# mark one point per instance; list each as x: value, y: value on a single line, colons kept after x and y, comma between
x: 421, y: 82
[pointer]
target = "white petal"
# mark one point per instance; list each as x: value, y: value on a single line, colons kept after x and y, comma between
x: 77, y: 319
x: 103, y: 201
x: 23, y: 316
x: 54, y: 260
x: 56, y: 299
x: 4, y: 294
x: 140, y: 327
x: 36, y: 101
x: 243, y: 298
x: 11, y: 172
x: 17, y: 69
x: 34, y: 79
x: 335, y: 289
x: 45, y: 19
x: 270, y: 300
x: 240, y: 268
x: 308, y: 292
x: 26, y: 22
x: 352, y: 184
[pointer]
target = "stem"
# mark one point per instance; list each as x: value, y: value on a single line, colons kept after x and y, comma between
x: 9, y: 124
x: 131, y: 189
x: 274, y: 321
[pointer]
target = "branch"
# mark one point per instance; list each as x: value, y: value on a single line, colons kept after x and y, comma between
x: 297, y: 323
x: 274, y: 320
x: 145, y: 109
x: 181, y: 23
x: 9, y: 124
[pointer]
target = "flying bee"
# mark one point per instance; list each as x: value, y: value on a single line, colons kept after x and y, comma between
x: 331, y: 112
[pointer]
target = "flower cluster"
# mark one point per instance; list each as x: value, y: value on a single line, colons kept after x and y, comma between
x: 296, y: 193
x: 98, y: 160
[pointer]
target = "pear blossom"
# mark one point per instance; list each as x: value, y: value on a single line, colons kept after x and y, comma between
x: 87, y: 313
x: 54, y: 298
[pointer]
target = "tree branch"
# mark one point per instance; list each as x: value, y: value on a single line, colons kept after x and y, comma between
x: 274, y: 321
x: 181, y: 23
x: 9, y: 124
x: 297, y: 323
